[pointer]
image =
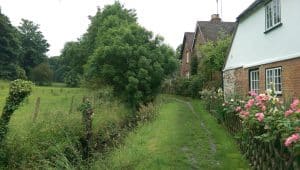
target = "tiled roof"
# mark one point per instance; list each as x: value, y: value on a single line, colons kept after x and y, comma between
x: 187, y: 41
x: 250, y: 8
x: 211, y: 30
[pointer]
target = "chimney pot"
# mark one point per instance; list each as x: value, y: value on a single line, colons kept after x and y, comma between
x: 215, y: 18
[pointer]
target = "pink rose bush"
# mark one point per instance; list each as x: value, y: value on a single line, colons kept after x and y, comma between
x: 267, y: 118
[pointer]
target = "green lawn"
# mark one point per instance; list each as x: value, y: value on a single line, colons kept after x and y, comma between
x: 184, y: 136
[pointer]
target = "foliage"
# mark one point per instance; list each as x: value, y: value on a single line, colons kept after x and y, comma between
x: 212, y: 60
x: 74, y: 56
x: 127, y: 57
x: 213, y: 101
x: 42, y: 74
x: 72, y: 79
x: 147, y: 113
x: 18, y: 91
x: 34, y: 45
x: 178, y: 51
x: 59, y: 70
x: 9, y: 48
x: 184, y: 86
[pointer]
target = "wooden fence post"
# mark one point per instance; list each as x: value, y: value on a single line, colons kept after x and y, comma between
x: 87, y: 112
x: 37, y: 108
x: 71, y: 106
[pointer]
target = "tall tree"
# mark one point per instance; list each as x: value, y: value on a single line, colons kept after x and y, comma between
x: 34, y: 45
x: 128, y: 57
x: 9, y: 48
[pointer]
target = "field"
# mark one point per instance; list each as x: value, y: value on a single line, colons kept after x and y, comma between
x: 51, y: 138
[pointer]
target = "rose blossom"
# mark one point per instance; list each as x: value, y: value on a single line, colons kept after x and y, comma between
x: 260, y: 116
x: 238, y: 109
x: 288, y: 112
x: 294, y: 138
x: 295, y: 104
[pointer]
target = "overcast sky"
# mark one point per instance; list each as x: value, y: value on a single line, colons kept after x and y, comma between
x: 66, y: 20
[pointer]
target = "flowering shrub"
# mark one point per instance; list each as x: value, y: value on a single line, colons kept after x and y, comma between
x: 265, y: 118
x: 213, y: 100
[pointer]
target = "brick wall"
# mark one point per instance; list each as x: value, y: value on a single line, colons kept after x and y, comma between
x: 237, y: 81
x: 185, y: 66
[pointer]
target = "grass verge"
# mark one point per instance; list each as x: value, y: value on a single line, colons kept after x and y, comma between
x: 184, y: 136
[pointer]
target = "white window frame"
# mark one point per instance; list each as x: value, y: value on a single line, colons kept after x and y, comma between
x: 254, y: 80
x: 272, y: 14
x: 274, y: 79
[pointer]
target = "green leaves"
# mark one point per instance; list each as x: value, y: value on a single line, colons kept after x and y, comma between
x: 18, y: 91
x: 127, y: 57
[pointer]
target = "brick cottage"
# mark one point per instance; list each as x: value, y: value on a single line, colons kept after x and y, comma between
x: 205, y: 31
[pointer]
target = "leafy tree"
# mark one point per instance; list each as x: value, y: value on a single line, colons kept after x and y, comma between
x: 213, y: 58
x: 34, y: 45
x: 128, y: 57
x: 74, y: 56
x: 9, y: 49
x: 72, y: 79
x: 178, y: 51
x: 42, y: 74
x: 58, y: 68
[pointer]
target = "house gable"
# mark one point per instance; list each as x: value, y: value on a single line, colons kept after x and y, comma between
x: 252, y: 45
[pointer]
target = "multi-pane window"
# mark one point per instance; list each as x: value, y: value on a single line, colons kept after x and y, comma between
x: 272, y: 14
x: 274, y: 79
x: 254, y: 81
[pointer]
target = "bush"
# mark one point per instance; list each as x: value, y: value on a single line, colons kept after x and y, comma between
x: 42, y: 74
x: 213, y: 101
x: 188, y: 87
x: 72, y: 79
x: 18, y: 91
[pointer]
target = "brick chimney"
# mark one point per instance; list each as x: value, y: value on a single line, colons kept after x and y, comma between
x: 215, y: 18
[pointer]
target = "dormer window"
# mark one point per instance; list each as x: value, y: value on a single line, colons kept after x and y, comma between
x: 273, y: 14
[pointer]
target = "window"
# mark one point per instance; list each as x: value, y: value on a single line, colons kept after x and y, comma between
x: 187, y: 57
x: 272, y: 14
x: 254, y: 80
x: 273, y: 79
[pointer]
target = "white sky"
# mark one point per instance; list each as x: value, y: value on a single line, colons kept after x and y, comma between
x: 66, y: 20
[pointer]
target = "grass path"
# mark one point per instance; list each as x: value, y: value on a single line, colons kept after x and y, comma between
x: 183, y: 136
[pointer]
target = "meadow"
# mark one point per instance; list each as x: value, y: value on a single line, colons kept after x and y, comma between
x: 51, y: 137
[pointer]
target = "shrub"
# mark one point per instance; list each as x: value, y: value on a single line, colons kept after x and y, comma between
x: 18, y: 91
x: 42, y: 74
x: 213, y: 101
x: 146, y: 113
x: 72, y: 79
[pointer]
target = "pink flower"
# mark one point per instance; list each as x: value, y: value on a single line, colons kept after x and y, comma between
x: 263, y: 108
x: 294, y: 138
x: 244, y: 114
x: 252, y: 93
x: 262, y: 97
x: 260, y: 116
x: 249, y: 104
x: 288, y: 112
x: 295, y: 104
x: 298, y: 111
x: 238, y: 109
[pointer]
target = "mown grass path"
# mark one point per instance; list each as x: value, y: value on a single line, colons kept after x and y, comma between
x: 183, y: 136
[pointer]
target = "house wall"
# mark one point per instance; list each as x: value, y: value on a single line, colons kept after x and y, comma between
x: 251, y: 46
x: 236, y: 81
x: 185, y: 66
